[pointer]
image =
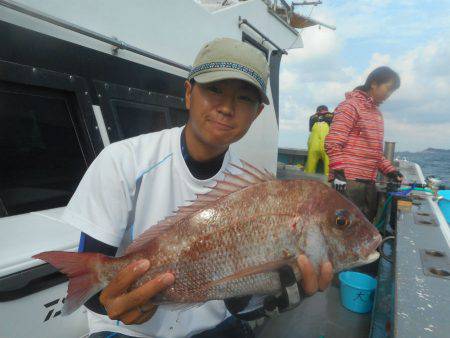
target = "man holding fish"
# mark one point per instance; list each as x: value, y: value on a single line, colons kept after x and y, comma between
x: 230, y: 242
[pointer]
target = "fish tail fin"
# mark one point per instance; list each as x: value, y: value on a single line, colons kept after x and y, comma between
x: 82, y: 270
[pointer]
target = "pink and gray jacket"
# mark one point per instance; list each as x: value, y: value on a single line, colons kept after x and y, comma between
x: 355, y: 141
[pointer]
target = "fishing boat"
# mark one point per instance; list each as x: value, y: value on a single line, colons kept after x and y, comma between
x: 413, y: 275
x: 77, y: 76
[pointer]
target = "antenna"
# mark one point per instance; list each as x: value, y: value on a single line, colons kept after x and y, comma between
x: 306, y: 3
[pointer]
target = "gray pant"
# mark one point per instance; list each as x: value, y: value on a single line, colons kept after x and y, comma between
x: 364, y: 195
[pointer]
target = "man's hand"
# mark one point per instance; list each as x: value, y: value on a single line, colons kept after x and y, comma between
x: 395, y: 176
x: 311, y: 283
x: 339, y: 181
x: 133, y: 307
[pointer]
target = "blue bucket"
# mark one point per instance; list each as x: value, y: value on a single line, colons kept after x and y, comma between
x: 444, y: 204
x: 357, y: 291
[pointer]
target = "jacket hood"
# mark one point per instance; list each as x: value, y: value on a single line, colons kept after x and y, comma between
x: 361, y: 97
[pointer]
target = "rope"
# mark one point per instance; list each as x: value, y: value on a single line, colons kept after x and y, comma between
x: 301, y: 30
x: 379, y: 225
x: 381, y: 222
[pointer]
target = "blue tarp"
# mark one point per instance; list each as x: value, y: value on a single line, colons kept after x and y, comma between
x: 444, y: 203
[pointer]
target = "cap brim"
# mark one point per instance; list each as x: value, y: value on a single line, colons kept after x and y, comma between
x: 231, y: 75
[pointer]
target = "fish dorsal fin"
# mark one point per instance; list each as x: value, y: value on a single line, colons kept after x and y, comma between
x: 249, y: 175
x: 252, y: 170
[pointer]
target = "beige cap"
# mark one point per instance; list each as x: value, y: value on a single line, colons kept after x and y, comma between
x: 225, y: 59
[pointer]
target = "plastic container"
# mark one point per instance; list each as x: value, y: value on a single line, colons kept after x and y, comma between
x: 357, y: 291
x: 444, y: 204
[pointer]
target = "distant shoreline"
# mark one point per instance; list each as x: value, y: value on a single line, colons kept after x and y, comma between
x: 428, y: 150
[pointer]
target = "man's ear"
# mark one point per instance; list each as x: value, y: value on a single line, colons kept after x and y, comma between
x: 187, y: 96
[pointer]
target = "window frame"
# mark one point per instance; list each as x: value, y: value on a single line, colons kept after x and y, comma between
x: 81, y: 107
x: 108, y: 92
x: 33, y: 81
x: 138, y: 105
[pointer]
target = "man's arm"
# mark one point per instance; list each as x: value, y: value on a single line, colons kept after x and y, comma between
x: 100, y: 208
x: 385, y: 166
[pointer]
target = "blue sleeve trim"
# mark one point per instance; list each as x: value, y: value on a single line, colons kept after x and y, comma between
x: 153, y: 166
x: 82, y: 242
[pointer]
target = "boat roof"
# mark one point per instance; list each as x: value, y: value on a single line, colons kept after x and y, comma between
x: 280, y: 8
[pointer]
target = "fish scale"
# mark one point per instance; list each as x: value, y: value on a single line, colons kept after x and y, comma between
x: 231, y: 241
x: 234, y: 248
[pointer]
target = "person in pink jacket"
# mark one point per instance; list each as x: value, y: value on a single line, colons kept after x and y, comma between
x: 355, y: 141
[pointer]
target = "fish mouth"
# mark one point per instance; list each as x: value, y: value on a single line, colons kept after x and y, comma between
x: 372, y: 257
x: 371, y: 249
x: 369, y: 254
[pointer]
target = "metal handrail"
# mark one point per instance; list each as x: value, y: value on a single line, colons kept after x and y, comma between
x: 87, y: 32
x: 265, y: 38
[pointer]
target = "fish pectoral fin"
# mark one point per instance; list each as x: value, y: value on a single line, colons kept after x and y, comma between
x: 254, y: 270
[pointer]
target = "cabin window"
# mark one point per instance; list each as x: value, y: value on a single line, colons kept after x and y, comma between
x: 138, y: 118
x: 130, y: 112
x: 41, y: 158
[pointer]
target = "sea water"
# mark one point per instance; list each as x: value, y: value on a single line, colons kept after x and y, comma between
x: 432, y: 161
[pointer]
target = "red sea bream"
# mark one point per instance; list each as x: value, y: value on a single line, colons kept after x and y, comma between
x: 231, y: 241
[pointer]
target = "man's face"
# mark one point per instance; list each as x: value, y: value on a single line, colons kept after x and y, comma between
x: 221, y: 112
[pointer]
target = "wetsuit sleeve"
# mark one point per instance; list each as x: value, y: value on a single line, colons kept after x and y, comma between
x: 90, y: 244
x: 344, y: 120
x: 385, y: 166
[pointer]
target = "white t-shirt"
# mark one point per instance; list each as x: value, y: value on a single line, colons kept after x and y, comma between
x: 102, y: 201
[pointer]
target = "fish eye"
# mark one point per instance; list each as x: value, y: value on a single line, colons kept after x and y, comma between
x: 342, y: 219
x: 342, y: 222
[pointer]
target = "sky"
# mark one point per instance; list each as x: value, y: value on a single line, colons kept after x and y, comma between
x: 410, y: 36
